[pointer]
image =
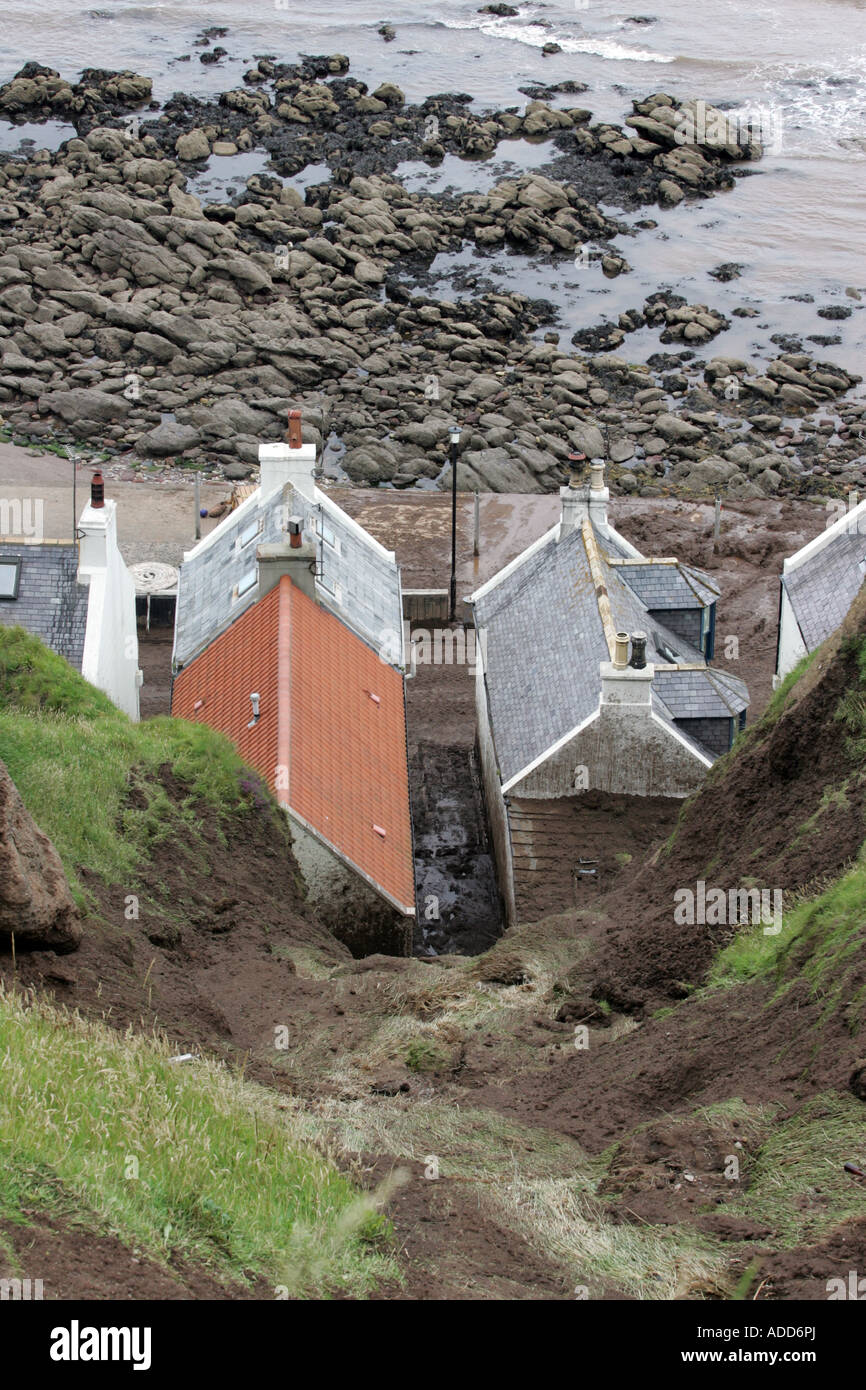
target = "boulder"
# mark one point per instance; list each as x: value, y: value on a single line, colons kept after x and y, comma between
x: 493, y: 470
x: 152, y: 345
x: 543, y: 195
x: 670, y: 193
x: 168, y: 438
x: 228, y: 417
x: 588, y: 439
x: 621, y: 450
x: 193, y: 145
x: 84, y: 403
x: 675, y: 430
x: 154, y: 172
x: 390, y: 94
x: 710, y: 472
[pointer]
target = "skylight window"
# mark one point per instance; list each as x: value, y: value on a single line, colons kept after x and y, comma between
x: 246, y: 583
x: 326, y: 533
x: 10, y: 575
x: 330, y: 587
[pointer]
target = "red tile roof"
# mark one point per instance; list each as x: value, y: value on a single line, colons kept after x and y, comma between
x: 331, y: 736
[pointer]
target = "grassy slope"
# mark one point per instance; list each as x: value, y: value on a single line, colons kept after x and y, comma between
x: 536, y: 1181
x: 222, y: 1175
x: 175, y: 1160
x: 823, y: 932
x: 76, y: 758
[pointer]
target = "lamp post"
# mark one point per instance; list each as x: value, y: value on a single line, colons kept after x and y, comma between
x: 455, y: 441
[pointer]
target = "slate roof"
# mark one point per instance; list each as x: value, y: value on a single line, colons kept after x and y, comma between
x: 823, y: 587
x: 545, y: 639
x: 344, y: 751
x: 661, y: 586
x: 357, y: 578
x: 705, y: 694
x: 51, y: 603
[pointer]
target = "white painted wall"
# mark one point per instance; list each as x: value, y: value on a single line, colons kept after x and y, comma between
x: 110, y: 659
x: 497, y: 814
x: 792, y: 648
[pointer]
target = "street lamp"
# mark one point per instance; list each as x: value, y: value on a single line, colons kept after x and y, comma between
x: 454, y: 433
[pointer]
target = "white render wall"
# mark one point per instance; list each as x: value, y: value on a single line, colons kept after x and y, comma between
x: 792, y: 648
x: 110, y: 659
x: 497, y: 814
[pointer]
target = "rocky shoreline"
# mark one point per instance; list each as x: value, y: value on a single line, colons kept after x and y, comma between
x: 137, y: 322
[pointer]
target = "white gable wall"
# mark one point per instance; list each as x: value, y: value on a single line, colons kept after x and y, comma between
x: 497, y: 813
x: 110, y: 658
x: 792, y: 648
x: 624, y: 747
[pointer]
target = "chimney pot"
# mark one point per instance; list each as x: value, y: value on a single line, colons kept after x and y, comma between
x: 295, y: 527
x: 596, y: 475
x: 295, y: 433
x: 97, y: 490
x: 620, y: 659
x: 638, y: 651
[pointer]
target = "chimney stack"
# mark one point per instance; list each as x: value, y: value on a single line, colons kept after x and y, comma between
x: 599, y: 495
x: 297, y: 560
x: 628, y: 683
x: 290, y: 461
x: 587, y: 502
x: 294, y: 433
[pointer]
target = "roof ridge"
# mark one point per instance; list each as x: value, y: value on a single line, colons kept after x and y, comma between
x: 601, y: 594
x: 714, y: 678
x: 688, y: 571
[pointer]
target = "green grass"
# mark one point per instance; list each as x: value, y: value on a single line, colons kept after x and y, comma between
x: 819, y: 939
x: 423, y: 1055
x: 797, y: 1185
x: 76, y: 760
x: 174, y: 1159
x: 851, y: 709
x: 780, y: 694
x: 822, y: 942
